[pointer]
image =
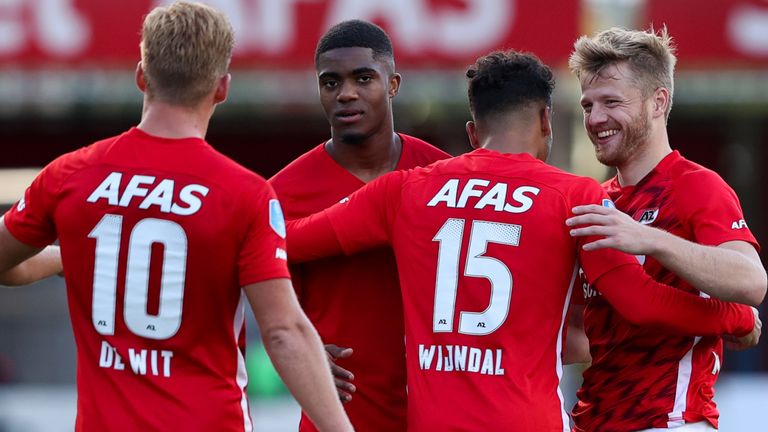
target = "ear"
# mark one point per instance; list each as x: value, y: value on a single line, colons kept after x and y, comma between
x: 660, y: 100
x: 472, y: 134
x: 141, y: 80
x: 394, y: 84
x: 222, y: 89
x: 546, y: 121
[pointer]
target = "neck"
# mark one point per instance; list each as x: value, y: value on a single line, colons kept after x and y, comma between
x: 511, y: 140
x: 172, y: 121
x: 369, y: 159
x: 645, y: 159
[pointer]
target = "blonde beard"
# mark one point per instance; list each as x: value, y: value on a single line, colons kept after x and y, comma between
x: 635, y: 140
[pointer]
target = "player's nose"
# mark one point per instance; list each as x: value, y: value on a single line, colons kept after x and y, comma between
x: 597, y: 115
x: 347, y: 92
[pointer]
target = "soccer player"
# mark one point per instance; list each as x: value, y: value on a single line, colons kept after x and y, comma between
x: 691, y: 235
x: 487, y: 264
x: 162, y: 239
x: 354, y: 301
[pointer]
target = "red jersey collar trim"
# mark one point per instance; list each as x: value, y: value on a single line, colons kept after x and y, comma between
x: 517, y: 156
x: 666, y: 163
x: 137, y: 133
x: 662, y: 167
x: 405, y: 154
x: 405, y: 146
x: 333, y: 165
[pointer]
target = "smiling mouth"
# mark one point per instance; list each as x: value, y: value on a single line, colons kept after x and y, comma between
x: 607, y: 133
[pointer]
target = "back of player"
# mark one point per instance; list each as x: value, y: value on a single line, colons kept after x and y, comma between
x: 158, y: 235
x: 486, y: 270
x: 488, y: 337
x: 154, y: 316
x: 484, y: 257
x: 485, y: 260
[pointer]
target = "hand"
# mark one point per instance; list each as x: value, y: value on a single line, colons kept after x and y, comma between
x: 748, y: 341
x: 341, y: 376
x: 619, y: 229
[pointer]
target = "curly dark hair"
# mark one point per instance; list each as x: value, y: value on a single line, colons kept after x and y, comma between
x: 356, y: 34
x: 503, y: 81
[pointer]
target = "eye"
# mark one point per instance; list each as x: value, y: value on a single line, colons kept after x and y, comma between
x: 329, y: 84
x: 612, y: 102
x: 364, y: 79
x: 587, y: 108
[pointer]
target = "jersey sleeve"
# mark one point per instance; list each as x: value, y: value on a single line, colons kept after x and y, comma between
x: 312, y: 238
x: 359, y: 223
x: 597, y: 262
x: 365, y: 220
x: 645, y: 302
x: 262, y: 254
x: 30, y: 220
x: 711, y: 209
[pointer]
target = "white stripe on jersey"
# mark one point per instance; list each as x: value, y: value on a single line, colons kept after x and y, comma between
x: 566, y: 418
x: 688, y: 427
x: 684, y: 369
x: 242, y: 374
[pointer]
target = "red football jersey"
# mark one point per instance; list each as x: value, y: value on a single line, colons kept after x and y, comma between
x: 354, y: 301
x: 157, y: 238
x: 665, y: 380
x: 486, y: 268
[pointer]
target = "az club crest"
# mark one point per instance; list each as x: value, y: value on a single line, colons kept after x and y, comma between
x: 648, y: 216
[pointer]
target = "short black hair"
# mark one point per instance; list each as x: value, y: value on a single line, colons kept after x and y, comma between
x: 506, y: 80
x: 356, y: 34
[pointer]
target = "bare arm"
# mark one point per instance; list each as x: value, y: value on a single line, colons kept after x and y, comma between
x: 576, y: 341
x: 12, y: 252
x: 45, y: 264
x: 731, y: 271
x: 297, y: 353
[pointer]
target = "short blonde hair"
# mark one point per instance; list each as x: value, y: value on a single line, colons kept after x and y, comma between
x: 650, y: 56
x: 185, y: 49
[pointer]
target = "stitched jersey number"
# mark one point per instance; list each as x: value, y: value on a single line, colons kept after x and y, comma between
x: 145, y: 233
x: 477, y: 265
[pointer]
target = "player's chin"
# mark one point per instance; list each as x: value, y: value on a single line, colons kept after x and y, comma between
x: 352, y: 136
x: 608, y: 156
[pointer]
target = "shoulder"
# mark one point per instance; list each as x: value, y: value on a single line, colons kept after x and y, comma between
x: 691, y: 178
x: 585, y: 188
x: 78, y: 160
x: 231, y: 176
x: 574, y: 189
x: 612, y: 184
x: 422, y: 150
x: 564, y: 181
x: 431, y: 168
x: 700, y: 194
x: 298, y: 170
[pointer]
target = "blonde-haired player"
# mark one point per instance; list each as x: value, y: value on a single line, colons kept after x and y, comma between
x: 163, y: 240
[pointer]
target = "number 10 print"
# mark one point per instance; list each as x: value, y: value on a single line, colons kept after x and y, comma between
x: 145, y: 233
